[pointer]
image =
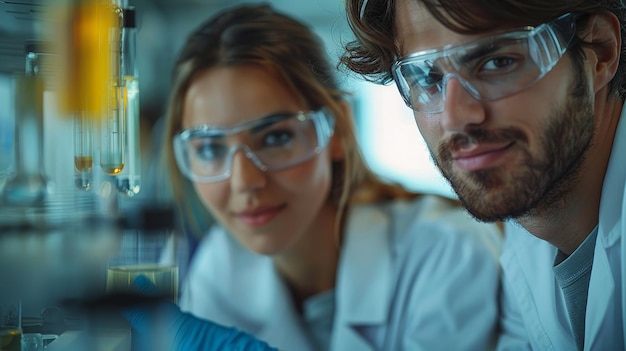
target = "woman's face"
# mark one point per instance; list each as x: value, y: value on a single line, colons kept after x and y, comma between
x: 268, y: 212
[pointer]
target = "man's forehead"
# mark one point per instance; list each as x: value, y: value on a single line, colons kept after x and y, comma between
x: 417, y: 29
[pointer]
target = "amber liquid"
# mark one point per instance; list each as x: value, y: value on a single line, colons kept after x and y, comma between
x: 83, y: 163
x: 112, y: 169
x: 10, y: 340
x: 165, y: 278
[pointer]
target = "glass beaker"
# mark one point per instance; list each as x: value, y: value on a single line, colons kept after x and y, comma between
x: 148, y: 253
x: 11, y: 326
x: 32, y: 342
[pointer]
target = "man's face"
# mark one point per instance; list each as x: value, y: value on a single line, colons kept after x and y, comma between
x: 508, y: 157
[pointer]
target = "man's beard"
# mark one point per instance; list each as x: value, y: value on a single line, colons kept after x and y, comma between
x: 536, y: 183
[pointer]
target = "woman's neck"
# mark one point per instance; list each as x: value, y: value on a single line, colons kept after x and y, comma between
x: 310, y: 267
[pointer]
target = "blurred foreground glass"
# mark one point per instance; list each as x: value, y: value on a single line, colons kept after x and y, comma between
x: 148, y: 253
x: 11, y: 326
x: 27, y: 185
x: 32, y: 342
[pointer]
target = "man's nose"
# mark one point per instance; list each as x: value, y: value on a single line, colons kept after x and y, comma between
x: 460, y: 107
x: 245, y: 175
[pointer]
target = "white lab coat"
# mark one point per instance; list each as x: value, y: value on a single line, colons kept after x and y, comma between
x: 535, y: 311
x: 412, y: 276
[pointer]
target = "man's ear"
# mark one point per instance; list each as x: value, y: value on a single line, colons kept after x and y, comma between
x: 605, y: 36
x: 337, y: 148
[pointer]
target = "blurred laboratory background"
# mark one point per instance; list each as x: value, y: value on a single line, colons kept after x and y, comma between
x: 63, y: 216
x: 389, y: 137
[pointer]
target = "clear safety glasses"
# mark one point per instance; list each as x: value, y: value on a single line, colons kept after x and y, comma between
x: 489, y: 69
x: 205, y: 153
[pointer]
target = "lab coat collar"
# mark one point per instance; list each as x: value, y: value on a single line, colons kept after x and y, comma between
x: 264, y: 304
x: 364, y: 288
x: 367, y: 298
x: 281, y: 318
x: 601, y: 291
x: 365, y: 277
x: 612, y: 210
x: 602, y: 286
x: 614, y: 183
x: 612, y: 225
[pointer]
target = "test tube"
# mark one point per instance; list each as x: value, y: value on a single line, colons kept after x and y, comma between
x: 112, y: 146
x: 83, y: 151
x: 129, y: 180
x: 113, y: 126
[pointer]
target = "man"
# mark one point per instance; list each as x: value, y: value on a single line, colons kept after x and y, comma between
x: 520, y: 104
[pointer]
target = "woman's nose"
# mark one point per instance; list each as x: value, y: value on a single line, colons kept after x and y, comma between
x: 245, y: 175
x: 460, y: 108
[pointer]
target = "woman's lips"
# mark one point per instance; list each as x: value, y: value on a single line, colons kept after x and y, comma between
x: 259, y: 216
x: 480, y: 157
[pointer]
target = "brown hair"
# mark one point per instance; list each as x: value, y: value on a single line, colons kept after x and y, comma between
x: 374, y: 50
x: 256, y: 34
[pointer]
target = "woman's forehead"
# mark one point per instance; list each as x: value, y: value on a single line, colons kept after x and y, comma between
x: 227, y: 96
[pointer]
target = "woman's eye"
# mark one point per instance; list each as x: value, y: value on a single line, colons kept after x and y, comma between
x: 280, y: 137
x: 210, y: 151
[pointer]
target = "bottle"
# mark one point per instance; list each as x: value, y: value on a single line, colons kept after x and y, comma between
x: 28, y: 185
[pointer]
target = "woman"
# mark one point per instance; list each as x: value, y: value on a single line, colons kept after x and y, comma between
x: 310, y: 251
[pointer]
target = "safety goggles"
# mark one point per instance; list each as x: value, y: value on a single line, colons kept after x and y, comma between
x: 489, y: 69
x: 205, y: 153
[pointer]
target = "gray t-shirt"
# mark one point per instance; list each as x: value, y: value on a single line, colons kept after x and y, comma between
x: 572, y: 274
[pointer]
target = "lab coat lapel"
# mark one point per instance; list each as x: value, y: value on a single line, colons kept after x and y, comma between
x: 281, y: 320
x: 616, y: 178
x: 364, y: 282
x: 601, y: 291
x: 263, y: 302
x: 623, y: 257
x: 525, y: 275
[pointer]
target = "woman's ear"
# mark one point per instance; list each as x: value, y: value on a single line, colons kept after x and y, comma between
x: 337, y: 147
x: 605, y: 36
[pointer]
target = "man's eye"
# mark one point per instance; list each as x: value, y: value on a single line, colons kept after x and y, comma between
x: 499, y: 63
x: 423, y: 77
x: 279, y: 137
x: 432, y: 77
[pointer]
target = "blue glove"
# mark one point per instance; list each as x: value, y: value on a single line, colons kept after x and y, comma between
x: 165, y: 327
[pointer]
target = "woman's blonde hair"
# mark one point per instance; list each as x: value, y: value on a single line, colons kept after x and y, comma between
x: 256, y: 34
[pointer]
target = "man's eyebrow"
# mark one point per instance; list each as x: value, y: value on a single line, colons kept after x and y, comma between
x: 480, y: 51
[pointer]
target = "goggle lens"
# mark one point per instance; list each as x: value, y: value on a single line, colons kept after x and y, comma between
x: 204, y: 154
x: 489, y: 69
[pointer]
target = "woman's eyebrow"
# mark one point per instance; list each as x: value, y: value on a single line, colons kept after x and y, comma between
x: 270, y: 120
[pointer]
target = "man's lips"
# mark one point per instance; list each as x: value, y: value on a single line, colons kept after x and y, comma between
x: 260, y: 215
x: 480, y: 156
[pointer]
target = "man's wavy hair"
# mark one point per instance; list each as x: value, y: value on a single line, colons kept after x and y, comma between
x: 375, y: 48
